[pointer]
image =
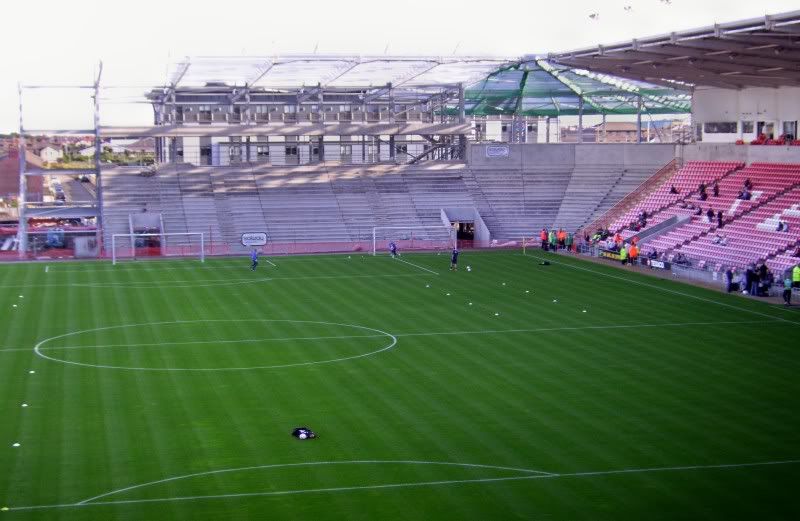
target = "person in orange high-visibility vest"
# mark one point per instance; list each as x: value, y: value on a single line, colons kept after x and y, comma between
x: 543, y: 238
x: 633, y: 253
x: 562, y: 238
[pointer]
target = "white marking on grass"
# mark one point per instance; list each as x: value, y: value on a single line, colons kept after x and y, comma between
x: 200, y: 342
x: 667, y: 290
x: 38, y: 347
x: 15, y: 445
x: 270, y: 262
x: 46, y: 269
x: 417, y: 266
x: 530, y: 475
x: 310, y: 464
x: 572, y: 328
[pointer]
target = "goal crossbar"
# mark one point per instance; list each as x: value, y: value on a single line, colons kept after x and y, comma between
x: 377, y: 229
x: 164, y: 236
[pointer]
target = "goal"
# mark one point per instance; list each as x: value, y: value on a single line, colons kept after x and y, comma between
x: 412, y: 238
x: 131, y: 246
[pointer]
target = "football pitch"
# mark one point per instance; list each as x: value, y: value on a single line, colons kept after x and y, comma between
x: 169, y: 389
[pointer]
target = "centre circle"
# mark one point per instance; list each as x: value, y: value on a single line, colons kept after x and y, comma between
x: 321, y: 334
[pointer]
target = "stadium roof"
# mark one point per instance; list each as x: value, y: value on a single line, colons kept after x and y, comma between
x: 332, y: 71
x: 494, y: 85
x: 539, y: 87
x: 759, y: 52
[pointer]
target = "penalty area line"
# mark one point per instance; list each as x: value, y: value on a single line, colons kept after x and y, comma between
x: 415, y: 265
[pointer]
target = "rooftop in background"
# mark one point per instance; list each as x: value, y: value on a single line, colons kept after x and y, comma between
x: 759, y: 52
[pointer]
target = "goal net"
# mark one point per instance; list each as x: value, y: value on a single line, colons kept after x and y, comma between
x: 412, y: 238
x: 130, y: 246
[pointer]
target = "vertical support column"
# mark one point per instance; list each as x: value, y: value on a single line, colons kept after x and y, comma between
x: 321, y: 149
x: 22, y: 221
x: 391, y: 147
x: 547, y: 129
x: 391, y: 108
x: 639, y: 119
x: 580, y: 119
x: 604, y: 127
x: 462, y: 116
x: 98, y: 149
x: 173, y: 149
x: 247, y: 111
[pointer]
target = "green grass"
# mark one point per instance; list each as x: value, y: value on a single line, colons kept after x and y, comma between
x: 554, y: 403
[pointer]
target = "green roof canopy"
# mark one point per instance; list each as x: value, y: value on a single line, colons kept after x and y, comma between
x: 543, y: 88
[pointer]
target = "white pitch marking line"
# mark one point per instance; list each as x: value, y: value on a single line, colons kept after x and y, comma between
x: 667, y: 290
x: 37, y: 348
x: 415, y: 265
x: 535, y: 475
x: 573, y: 328
x: 310, y: 464
x: 270, y: 262
x: 197, y: 342
x: 168, y: 284
x: 46, y: 269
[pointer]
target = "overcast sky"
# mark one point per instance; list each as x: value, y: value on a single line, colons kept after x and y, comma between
x: 60, y: 42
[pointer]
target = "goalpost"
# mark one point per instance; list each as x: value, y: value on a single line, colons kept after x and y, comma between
x: 412, y: 238
x: 125, y: 246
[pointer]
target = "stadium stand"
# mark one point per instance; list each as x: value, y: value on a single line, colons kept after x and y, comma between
x: 686, y: 181
x: 342, y: 203
x: 751, y: 235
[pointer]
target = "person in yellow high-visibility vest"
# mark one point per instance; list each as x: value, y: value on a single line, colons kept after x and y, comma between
x: 623, y: 254
x: 796, y: 276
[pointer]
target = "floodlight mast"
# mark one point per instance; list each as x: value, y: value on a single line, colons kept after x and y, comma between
x: 97, y: 152
x: 22, y: 219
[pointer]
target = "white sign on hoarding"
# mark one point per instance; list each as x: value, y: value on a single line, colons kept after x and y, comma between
x: 254, y: 239
x: 496, y: 150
